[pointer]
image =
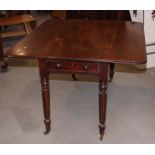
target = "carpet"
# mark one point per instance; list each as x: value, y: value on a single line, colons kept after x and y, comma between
x: 74, y: 108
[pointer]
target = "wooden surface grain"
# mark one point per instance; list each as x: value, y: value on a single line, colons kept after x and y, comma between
x: 100, y: 41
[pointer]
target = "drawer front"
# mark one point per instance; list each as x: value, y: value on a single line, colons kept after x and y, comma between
x: 71, y: 66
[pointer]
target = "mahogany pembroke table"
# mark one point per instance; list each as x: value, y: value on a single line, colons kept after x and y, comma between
x: 85, y: 47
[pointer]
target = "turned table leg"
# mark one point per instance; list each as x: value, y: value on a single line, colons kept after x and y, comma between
x: 45, y: 95
x: 103, y: 83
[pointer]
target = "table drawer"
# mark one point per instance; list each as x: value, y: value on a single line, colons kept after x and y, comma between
x: 71, y: 66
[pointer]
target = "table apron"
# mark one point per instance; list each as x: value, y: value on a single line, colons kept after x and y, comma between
x: 78, y: 67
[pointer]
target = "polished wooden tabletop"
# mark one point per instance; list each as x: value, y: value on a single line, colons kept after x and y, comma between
x: 84, y: 40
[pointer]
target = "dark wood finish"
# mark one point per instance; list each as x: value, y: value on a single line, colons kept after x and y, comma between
x: 61, y: 14
x: 93, y: 14
x: 71, y: 66
x: 104, y: 41
x: 85, y: 47
x: 122, y: 15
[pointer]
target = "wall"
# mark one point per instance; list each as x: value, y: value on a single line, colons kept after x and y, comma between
x: 149, y: 28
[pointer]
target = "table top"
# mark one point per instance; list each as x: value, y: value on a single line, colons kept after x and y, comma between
x: 84, y: 40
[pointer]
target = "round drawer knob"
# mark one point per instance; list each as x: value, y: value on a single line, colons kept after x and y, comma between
x: 85, y: 67
x: 58, y: 66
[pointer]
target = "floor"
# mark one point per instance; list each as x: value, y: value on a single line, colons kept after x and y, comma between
x: 74, y: 106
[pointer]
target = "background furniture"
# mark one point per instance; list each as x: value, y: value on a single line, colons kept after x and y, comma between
x: 11, y: 18
x: 3, y: 63
x: 27, y: 22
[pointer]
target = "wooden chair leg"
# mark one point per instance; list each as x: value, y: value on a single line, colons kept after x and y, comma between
x: 4, y: 66
x: 74, y: 77
x: 28, y: 28
x: 3, y: 63
x: 33, y: 24
x: 111, y: 72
